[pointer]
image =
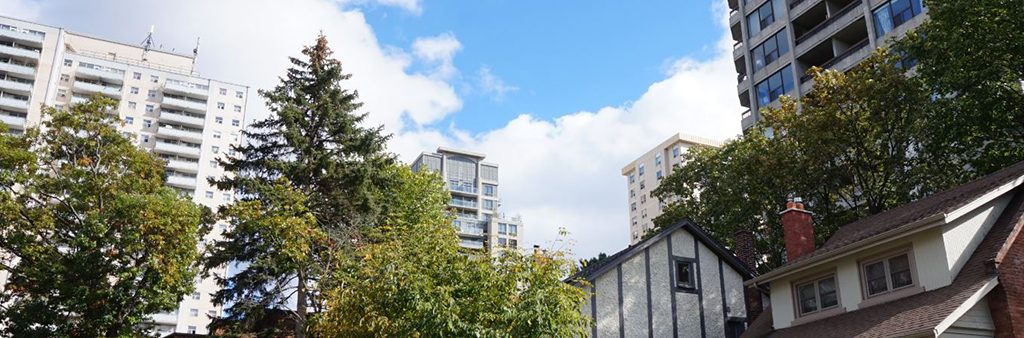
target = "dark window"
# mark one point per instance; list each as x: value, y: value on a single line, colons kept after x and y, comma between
x: 774, y: 86
x: 895, y: 13
x: 686, y: 277
x: 818, y: 295
x: 734, y: 328
x: 764, y: 16
x: 770, y: 50
x: 888, y: 274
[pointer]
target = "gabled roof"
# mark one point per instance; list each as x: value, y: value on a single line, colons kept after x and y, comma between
x: 885, y: 225
x: 923, y: 313
x: 591, y: 271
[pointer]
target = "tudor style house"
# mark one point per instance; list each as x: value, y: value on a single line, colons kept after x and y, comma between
x: 677, y: 283
x: 948, y: 265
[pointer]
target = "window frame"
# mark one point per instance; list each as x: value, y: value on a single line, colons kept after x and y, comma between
x: 815, y: 280
x: 884, y: 258
x: 693, y: 286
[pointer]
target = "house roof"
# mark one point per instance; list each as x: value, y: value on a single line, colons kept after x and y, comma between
x: 917, y: 314
x: 884, y: 225
x: 596, y: 269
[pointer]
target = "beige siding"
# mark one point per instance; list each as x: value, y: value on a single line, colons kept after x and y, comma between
x: 964, y: 234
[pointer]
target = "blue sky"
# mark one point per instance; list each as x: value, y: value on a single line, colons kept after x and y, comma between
x: 561, y: 94
x: 561, y: 55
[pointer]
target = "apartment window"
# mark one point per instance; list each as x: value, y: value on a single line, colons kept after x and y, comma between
x: 513, y: 230
x: 219, y: 120
x: 632, y: 178
x: 658, y: 174
x: 632, y: 206
x: 887, y: 274
x: 643, y: 199
x: 126, y: 134
x: 220, y: 105
x: 234, y: 138
x: 238, y: 94
x: 641, y: 169
x: 154, y: 78
x: 131, y: 105
x: 209, y: 194
x: 642, y: 185
x: 764, y: 16
x: 634, y: 220
x: 145, y: 138
x: 502, y: 228
x: 129, y: 120
x: 193, y: 312
x: 685, y: 274
x: 213, y: 164
x: 149, y: 108
x: 134, y: 90
x: 490, y: 190
x: 212, y: 313
x: 236, y: 123
x: 231, y: 152
x: 196, y: 296
x: 632, y: 193
x: 502, y: 242
x: 238, y: 109
x: 67, y: 62
x: 65, y: 77
x: 894, y: 13
x: 215, y: 149
x: 151, y: 93
x: 774, y: 86
x: 223, y: 91
x: 513, y: 243
x: 817, y: 295
x: 675, y: 152
x: 657, y: 159
x: 226, y: 197
x: 137, y: 76
x: 643, y: 213
x: 635, y: 235
x: 216, y: 134
x: 62, y: 93
x: 770, y: 50
x: 147, y: 123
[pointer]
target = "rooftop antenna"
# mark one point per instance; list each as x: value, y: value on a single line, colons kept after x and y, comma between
x: 195, y: 55
x: 147, y: 44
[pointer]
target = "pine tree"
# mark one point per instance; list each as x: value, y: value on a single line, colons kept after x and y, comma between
x: 315, y: 140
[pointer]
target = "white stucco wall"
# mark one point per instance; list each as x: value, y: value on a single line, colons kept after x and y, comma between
x: 608, y: 304
x: 962, y: 235
x: 734, y: 297
x: 634, y: 296
x: 711, y: 287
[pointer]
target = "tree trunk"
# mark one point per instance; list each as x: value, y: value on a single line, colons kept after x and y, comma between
x: 300, y: 306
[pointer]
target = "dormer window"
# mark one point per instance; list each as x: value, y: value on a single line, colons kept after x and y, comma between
x: 817, y: 295
x: 890, y: 273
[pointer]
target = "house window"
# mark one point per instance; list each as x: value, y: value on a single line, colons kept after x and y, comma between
x: 134, y: 90
x: 137, y: 76
x: 223, y: 91
x: 734, y: 328
x: 887, y: 274
x: 685, y: 274
x: 818, y: 295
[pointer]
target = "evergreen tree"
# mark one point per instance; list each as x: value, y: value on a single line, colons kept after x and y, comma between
x: 92, y: 240
x: 315, y: 140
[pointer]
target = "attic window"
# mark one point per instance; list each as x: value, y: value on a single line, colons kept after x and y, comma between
x: 685, y: 274
x: 817, y: 295
x: 888, y: 274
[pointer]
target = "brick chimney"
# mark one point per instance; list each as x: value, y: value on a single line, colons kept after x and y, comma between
x: 798, y: 230
x: 746, y: 253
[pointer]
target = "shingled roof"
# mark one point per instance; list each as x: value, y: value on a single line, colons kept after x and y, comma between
x: 923, y: 312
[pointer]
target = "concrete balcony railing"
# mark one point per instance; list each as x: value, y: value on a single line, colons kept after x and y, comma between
x: 462, y: 203
x: 92, y: 73
x: 13, y: 121
x: 177, y: 149
x: 79, y: 99
x: 35, y: 39
x: 16, y: 87
x: 182, y: 182
x: 19, y: 52
x: 180, y: 134
x: 13, y: 103
x: 167, y: 116
x: 187, y: 89
x: 829, y: 27
x: 185, y: 166
x: 17, y: 69
x: 85, y: 87
x: 184, y: 104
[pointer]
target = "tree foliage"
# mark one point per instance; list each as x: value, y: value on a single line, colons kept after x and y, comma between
x: 315, y: 140
x: 851, y: 151
x: 93, y: 241
x: 411, y: 280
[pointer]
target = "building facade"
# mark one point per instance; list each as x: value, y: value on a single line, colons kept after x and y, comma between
x: 679, y: 282
x: 166, y: 107
x: 777, y: 41
x: 644, y: 174
x: 473, y: 185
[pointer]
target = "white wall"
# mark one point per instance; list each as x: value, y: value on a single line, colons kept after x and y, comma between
x: 964, y: 234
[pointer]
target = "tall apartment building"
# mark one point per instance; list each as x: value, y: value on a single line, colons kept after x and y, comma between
x: 644, y: 174
x: 165, y: 105
x: 473, y: 184
x: 777, y: 41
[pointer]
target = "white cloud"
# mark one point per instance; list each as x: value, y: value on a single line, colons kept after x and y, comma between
x: 439, y: 50
x: 492, y: 85
x: 413, y: 6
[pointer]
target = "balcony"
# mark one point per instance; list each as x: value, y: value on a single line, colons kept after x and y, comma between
x: 185, y: 166
x: 14, y: 103
x: 199, y: 107
x: 830, y: 26
x: 470, y: 226
x: 13, y: 121
x: 86, y: 87
x: 17, y: 69
x: 19, y: 52
x: 180, y: 134
x: 34, y: 39
x: 186, y: 88
x: 463, y: 188
x: 15, y: 87
x: 171, y: 148
x: 182, y: 182
x: 471, y: 244
x: 79, y: 99
x: 463, y: 203
x: 747, y: 119
x: 99, y: 74
x: 168, y: 116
